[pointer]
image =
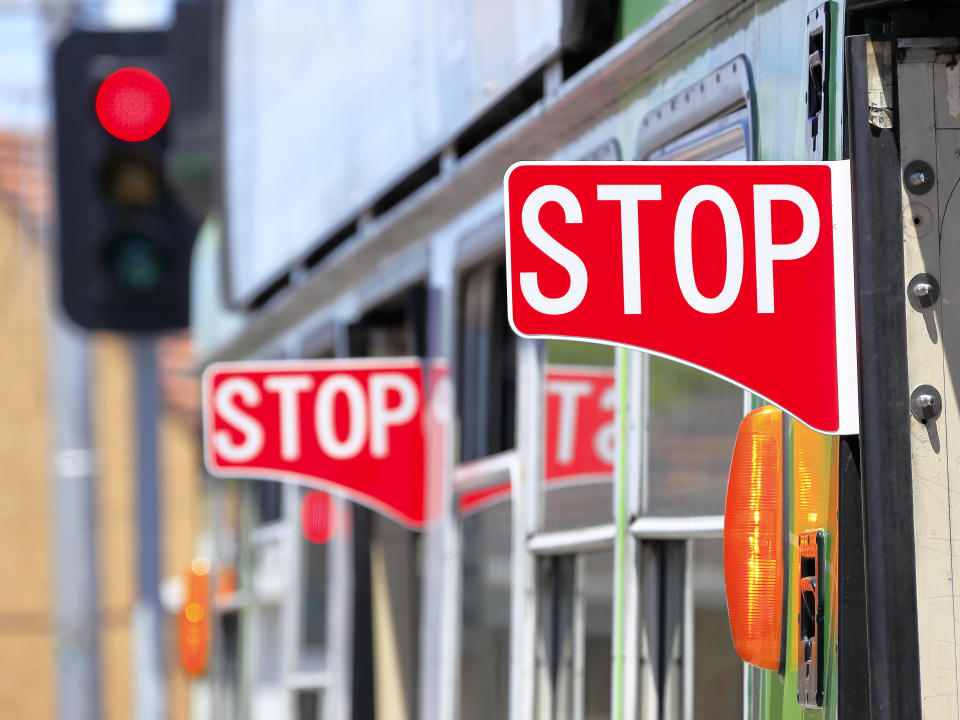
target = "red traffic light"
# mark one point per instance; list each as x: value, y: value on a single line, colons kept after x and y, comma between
x: 133, y: 104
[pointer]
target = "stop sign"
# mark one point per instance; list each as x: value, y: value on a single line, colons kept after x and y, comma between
x: 742, y: 269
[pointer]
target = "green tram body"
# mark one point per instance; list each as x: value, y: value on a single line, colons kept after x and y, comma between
x: 665, y: 49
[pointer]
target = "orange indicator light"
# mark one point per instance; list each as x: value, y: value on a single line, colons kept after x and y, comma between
x: 753, y: 539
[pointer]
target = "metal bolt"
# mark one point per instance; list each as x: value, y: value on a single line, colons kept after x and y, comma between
x: 918, y: 176
x: 925, y: 403
x: 923, y: 291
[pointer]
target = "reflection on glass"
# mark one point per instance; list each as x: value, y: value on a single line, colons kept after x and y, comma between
x: 692, y: 422
x: 485, y: 633
x: 717, y: 670
x: 580, y: 396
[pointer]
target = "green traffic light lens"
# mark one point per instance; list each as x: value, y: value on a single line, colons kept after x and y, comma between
x: 136, y: 263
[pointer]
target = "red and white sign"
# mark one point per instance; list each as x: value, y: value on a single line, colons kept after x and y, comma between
x: 351, y: 426
x: 741, y: 269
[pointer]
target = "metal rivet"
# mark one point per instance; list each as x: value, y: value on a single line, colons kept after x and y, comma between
x: 918, y: 176
x: 923, y: 291
x: 925, y: 403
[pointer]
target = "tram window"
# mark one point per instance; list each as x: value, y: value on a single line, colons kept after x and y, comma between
x: 580, y: 435
x: 723, y: 139
x: 485, y: 613
x: 487, y: 361
x: 226, y: 676
x: 393, y: 328
x: 717, y: 669
x: 687, y: 653
x: 313, y: 605
x: 269, y: 637
x: 308, y: 705
x: 268, y: 501
x: 692, y: 425
x: 574, y: 638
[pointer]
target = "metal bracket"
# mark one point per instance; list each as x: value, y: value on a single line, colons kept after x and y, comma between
x: 818, y: 74
x: 810, y: 620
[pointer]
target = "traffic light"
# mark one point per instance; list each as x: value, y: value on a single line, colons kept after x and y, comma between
x: 124, y: 237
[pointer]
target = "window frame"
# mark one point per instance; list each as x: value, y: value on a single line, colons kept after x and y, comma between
x: 705, y: 113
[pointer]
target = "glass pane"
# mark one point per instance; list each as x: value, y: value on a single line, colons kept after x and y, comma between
x: 487, y: 365
x: 269, y: 645
x: 226, y: 676
x: 268, y: 501
x: 580, y: 442
x: 485, y: 638
x: 596, y: 589
x: 692, y: 422
x: 717, y: 670
x: 308, y: 705
x: 314, y: 600
x: 574, y: 646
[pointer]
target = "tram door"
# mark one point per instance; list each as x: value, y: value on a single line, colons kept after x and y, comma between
x: 486, y: 389
x: 386, y: 631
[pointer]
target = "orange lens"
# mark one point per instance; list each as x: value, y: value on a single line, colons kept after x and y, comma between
x: 194, y: 619
x: 815, y: 462
x: 753, y: 539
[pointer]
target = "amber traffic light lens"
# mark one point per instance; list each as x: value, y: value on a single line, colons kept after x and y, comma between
x: 133, y: 182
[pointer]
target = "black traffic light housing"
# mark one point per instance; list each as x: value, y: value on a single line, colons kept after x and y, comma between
x: 124, y: 236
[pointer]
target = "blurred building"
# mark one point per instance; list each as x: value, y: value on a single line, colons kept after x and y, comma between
x: 28, y: 682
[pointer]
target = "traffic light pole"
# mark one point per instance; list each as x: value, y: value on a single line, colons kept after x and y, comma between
x: 148, y: 638
x: 76, y: 571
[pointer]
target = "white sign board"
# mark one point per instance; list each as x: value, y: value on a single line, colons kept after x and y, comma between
x: 327, y: 103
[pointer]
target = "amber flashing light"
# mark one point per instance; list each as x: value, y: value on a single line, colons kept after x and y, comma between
x: 753, y: 539
x: 814, y: 464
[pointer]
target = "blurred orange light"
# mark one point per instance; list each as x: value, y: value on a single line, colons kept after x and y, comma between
x: 753, y: 539
x: 133, y: 104
x: 194, y: 620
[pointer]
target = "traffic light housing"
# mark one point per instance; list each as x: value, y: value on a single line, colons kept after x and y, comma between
x: 124, y: 237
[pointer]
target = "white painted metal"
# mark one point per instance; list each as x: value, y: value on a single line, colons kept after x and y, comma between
x: 674, y: 528
x: 526, y: 521
x: 567, y: 542
x: 480, y: 473
x: 929, y: 345
x: 632, y: 366
x: 440, y: 589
